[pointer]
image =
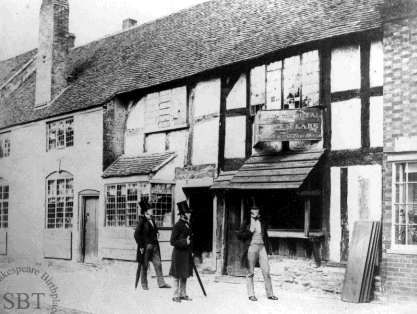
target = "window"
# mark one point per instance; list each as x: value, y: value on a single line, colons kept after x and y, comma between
x: 164, y: 114
x: 60, y: 134
x: 161, y: 202
x: 4, y: 204
x: 60, y: 200
x: 122, y: 203
x: 405, y: 204
x: 291, y: 83
x: 5, y: 145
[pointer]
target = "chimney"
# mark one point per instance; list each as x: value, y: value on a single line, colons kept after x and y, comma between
x: 71, y: 41
x: 128, y: 23
x: 52, y: 50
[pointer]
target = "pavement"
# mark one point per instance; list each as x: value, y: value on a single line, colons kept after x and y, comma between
x: 102, y: 292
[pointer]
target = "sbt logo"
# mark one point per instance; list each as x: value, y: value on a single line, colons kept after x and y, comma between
x: 20, y: 300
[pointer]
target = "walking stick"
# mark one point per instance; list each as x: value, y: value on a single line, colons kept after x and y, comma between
x: 198, y: 277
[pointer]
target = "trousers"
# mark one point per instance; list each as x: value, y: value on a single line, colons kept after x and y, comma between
x: 257, y: 252
x: 152, y: 255
x: 180, y: 287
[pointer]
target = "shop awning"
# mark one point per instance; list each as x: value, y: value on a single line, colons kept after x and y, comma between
x: 138, y: 165
x: 270, y: 171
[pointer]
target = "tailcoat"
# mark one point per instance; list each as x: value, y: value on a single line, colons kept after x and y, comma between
x: 182, y: 260
x: 146, y: 234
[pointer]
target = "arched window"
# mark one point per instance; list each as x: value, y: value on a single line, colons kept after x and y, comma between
x: 59, y: 200
x: 4, y: 203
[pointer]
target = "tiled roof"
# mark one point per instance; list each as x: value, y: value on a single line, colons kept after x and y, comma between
x: 204, y: 37
x: 138, y: 165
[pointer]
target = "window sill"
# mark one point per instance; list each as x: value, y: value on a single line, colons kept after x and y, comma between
x: 292, y: 234
x: 170, y: 128
x: 405, y: 251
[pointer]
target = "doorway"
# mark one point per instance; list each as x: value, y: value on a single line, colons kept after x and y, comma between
x: 201, y: 203
x: 89, y: 224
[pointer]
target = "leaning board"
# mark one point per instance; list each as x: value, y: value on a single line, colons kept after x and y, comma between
x: 358, y: 255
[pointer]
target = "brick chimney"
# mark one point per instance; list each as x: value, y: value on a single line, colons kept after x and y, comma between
x: 71, y: 41
x: 52, y: 50
x: 128, y: 23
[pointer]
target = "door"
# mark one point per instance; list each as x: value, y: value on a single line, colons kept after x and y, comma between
x: 90, y: 229
x: 235, y: 248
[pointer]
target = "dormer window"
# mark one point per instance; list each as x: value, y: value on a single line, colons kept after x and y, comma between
x: 60, y: 134
x: 5, y: 145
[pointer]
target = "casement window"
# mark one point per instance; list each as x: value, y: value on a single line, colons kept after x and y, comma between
x: 60, y: 134
x: 5, y: 145
x: 122, y: 203
x: 404, y: 225
x: 60, y: 200
x: 4, y: 203
x: 291, y: 83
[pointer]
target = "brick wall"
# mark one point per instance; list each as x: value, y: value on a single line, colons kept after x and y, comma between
x: 398, y: 271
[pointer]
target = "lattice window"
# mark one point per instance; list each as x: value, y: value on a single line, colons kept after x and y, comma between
x: 162, y: 203
x: 60, y: 134
x: 405, y: 204
x: 122, y: 203
x: 4, y: 203
x: 60, y: 200
x: 5, y: 145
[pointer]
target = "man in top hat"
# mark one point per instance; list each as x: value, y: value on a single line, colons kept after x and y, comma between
x: 182, y: 260
x: 253, y: 232
x: 146, y: 236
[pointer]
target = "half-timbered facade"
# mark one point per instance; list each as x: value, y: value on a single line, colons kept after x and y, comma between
x: 215, y: 104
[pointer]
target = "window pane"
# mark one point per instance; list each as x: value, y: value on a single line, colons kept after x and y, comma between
x: 412, y: 214
x: 412, y: 235
x: 292, y: 82
x: 412, y: 193
x: 161, y: 202
x: 69, y: 135
x: 400, y: 193
x: 400, y: 173
x: 400, y: 234
x: 399, y: 214
x: 310, y: 78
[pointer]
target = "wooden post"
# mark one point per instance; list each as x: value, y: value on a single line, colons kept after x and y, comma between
x: 242, y: 210
x: 307, y: 216
x: 214, y: 248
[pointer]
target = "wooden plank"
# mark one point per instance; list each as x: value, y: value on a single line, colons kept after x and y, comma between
x: 265, y: 186
x: 280, y: 165
x: 250, y: 179
x: 128, y: 255
x: 273, y: 172
x: 3, y: 241
x: 283, y: 158
x: 371, y: 262
x: 353, y: 280
x: 369, y: 255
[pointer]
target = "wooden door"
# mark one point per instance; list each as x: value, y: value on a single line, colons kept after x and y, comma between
x: 235, y: 248
x: 90, y: 229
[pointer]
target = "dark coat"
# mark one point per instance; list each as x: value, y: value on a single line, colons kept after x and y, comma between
x: 145, y: 234
x: 182, y: 260
x: 245, y: 235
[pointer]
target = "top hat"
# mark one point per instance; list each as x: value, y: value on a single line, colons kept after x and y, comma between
x: 183, y: 208
x: 254, y: 206
x: 144, y: 206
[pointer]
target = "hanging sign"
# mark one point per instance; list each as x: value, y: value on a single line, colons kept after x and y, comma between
x: 288, y: 125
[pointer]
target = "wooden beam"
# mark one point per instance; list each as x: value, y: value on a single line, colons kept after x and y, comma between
x: 345, y: 95
x: 344, y: 244
x: 365, y: 49
x: 190, y: 109
x: 325, y: 93
x: 224, y: 91
x: 311, y: 193
x: 307, y: 217
x: 214, y: 248
x: 248, y: 146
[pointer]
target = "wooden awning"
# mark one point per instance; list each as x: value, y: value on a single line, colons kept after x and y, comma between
x: 270, y: 172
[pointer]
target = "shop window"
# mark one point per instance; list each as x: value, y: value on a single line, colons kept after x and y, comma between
x: 5, y: 145
x: 60, y: 134
x: 4, y: 203
x: 60, y: 200
x: 405, y: 205
x: 122, y: 203
x: 162, y: 203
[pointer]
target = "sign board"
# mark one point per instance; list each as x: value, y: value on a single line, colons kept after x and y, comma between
x: 288, y: 125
